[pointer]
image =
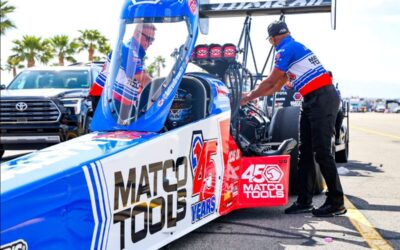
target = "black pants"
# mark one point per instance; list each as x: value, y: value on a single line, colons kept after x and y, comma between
x: 317, y: 128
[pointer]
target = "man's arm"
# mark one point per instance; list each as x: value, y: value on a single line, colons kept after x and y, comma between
x: 143, y: 78
x: 270, y: 85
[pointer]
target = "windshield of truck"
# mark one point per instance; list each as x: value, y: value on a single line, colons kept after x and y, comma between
x: 66, y: 79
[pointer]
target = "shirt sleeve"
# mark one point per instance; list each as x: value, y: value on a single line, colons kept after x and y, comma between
x: 283, y: 59
x: 101, y: 79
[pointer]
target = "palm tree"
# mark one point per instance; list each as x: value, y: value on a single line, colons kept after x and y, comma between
x: 159, y: 62
x: 32, y: 49
x: 14, y: 63
x: 91, y: 40
x: 151, y: 69
x: 5, y: 23
x: 63, y: 48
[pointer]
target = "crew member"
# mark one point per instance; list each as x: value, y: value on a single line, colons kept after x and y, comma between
x: 297, y: 63
x: 143, y: 37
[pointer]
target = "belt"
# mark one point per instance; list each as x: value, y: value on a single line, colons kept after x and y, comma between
x: 324, y: 89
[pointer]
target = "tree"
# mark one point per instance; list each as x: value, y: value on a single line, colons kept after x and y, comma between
x: 14, y: 63
x: 92, y: 40
x: 5, y: 23
x: 64, y: 48
x: 159, y: 62
x: 32, y: 49
x: 151, y: 69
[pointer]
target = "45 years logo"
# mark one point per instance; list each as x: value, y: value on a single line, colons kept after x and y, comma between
x: 204, y: 175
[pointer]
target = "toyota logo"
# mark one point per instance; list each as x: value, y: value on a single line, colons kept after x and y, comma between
x: 21, y: 106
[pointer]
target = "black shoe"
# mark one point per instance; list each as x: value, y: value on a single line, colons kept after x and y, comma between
x: 298, y: 208
x: 329, y: 210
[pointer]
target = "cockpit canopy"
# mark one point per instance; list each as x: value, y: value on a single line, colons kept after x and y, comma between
x: 155, y: 41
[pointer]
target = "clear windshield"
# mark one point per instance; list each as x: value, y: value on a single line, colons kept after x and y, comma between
x: 54, y: 79
x: 144, y: 56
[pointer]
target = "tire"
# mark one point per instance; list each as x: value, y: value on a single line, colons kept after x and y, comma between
x: 343, y: 155
x: 1, y: 153
x: 284, y: 125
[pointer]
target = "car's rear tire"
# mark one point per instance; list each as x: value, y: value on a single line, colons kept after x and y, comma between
x: 285, y: 124
x: 343, y: 155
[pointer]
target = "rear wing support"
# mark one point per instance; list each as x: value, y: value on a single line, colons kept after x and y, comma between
x: 262, y: 8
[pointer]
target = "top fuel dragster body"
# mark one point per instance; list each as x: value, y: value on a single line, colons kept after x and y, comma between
x: 144, y: 179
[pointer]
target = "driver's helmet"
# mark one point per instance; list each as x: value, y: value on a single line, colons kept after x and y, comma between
x: 181, y: 109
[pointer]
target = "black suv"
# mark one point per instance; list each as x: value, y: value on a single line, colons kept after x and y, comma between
x: 45, y: 106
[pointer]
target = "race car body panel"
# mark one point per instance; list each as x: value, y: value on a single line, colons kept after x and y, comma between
x: 128, y: 189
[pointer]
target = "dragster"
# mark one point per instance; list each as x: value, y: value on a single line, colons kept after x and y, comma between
x: 164, y: 159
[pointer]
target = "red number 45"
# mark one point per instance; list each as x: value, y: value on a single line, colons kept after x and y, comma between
x: 205, y: 174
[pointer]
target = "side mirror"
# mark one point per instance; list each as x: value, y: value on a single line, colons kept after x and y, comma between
x: 2, y: 86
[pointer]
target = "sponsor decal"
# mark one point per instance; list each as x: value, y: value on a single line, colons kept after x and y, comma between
x: 151, y: 191
x: 266, y: 4
x: 314, y: 60
x: 193, y: 6
x: 297, y: 96
x: 16, y: 245
x: 203, y: 208
x: 204, y: 175
x: 264, y: 181
x: 137, y: 2
x: 160, y: 102
x: 121, y: 136
x: 291, y: 76
x: 233, y: 155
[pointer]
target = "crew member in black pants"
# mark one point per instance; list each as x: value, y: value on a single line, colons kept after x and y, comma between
x: 299, y: 65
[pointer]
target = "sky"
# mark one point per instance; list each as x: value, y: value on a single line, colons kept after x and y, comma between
x: 363, y: 52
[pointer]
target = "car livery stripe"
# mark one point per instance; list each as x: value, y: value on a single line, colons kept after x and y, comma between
x: 107, y: 206
x: 101, y: 204
x: 93, y: 202
x: 95, y: 179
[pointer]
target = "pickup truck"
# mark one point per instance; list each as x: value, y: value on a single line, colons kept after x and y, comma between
x: 44, y: 106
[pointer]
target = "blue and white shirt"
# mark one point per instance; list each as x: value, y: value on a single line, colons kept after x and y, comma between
x: 301, y: 65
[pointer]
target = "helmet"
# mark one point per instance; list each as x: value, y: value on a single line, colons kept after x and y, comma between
x: 181, y: 109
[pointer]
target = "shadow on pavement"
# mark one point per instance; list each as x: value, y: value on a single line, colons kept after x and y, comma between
x: 271, y: 225
x: 362, y: 169
x: 362, y: 204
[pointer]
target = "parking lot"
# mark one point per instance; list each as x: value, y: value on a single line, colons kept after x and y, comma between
x: 372, y: 185
x: 371, y: 182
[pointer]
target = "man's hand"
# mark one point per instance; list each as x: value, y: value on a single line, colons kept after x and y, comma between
x: 288, y: 85
x: 245, y: 98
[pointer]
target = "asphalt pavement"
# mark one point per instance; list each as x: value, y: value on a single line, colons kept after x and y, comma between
x: 371, y: 181
x: 371, y: 184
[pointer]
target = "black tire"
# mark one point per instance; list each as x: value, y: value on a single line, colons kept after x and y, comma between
x: 343, y: 155
x: 284, y: 125
x: 1, y: 153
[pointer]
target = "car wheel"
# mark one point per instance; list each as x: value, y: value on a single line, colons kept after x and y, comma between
x: 284, y: 125
x: 342, y: 156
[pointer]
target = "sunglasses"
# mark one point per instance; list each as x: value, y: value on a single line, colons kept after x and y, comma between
x: 149, y: 39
